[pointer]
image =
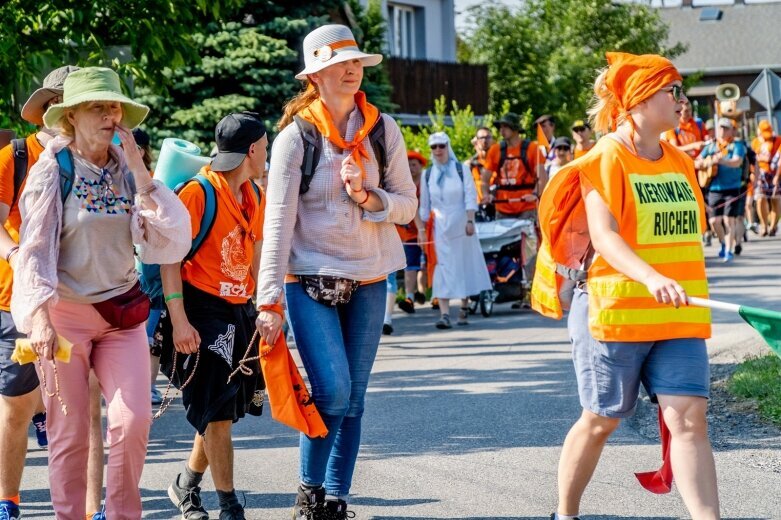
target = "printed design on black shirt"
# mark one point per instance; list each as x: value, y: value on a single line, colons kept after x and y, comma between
x: 99, y: 197
x: 223, y: 345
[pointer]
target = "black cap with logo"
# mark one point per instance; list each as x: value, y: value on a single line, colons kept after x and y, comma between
x: 234, y: 135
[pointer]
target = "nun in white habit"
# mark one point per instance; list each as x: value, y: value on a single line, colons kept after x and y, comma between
x: 451, y: 197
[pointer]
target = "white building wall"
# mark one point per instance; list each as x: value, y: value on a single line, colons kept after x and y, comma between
x: 437, y: 33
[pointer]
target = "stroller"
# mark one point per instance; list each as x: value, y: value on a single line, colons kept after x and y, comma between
x: 510, y: 250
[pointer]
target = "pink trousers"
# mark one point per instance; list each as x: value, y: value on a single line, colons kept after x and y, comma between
x: 120, y: 359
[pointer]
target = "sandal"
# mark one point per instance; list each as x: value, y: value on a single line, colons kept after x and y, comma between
x: 444, y: 322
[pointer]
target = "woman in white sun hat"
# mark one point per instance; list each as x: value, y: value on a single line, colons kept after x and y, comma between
x: 329, y: 242
x: 87, y: 205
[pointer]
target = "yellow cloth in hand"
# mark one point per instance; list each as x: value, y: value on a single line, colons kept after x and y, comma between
x: 24, y: 353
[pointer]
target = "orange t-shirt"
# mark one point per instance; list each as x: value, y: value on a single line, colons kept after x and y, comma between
x: 686, y: 133
x: 14, y: 220
x: 580, y: 151
x: 222, y: 266
x: 514, y: 173
x: 765, y: 151
x: 478, y: 176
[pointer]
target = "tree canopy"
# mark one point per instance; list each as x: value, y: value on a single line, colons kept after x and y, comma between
x: 544, y: 54
x: 138, y: 38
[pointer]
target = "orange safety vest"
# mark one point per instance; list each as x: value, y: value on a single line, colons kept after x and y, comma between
x: 660, y: 214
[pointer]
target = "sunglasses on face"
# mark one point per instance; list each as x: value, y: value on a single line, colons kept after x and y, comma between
x: 579, y: 129
x: 438, y: 146
x: 677, y: 92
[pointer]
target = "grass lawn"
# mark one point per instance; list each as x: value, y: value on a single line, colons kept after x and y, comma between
x: 759, y: 379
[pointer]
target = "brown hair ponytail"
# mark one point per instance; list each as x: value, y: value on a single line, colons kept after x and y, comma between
x: 300, y: 101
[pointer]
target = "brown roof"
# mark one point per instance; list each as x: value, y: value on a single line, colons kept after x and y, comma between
x: 744, y: 40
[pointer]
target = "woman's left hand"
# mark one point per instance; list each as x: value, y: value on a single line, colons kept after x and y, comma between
x: 470, y: 229
x: 351, y: 176
x: 135, y: 161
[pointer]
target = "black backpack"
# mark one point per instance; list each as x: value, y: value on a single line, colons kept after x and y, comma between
x: 313, y: 144
x: 19, y: 147
x: 524, y: 152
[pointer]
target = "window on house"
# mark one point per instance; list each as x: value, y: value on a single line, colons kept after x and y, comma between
x: 402, y: 30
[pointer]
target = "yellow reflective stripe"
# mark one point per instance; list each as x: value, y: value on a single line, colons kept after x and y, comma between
x: 606, y: 287
x: 672, y: 254
x: 652, y: 316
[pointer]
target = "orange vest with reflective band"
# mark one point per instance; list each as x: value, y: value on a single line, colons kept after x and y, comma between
x: 660, y: 214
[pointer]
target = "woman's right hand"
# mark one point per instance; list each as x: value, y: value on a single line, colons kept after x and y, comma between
x: 269, y: 326
x: 43, y: 337
x: 186, y: 338
x: 666, y: 290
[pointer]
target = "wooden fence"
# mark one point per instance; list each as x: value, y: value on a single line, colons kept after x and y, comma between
x: 417, y: 83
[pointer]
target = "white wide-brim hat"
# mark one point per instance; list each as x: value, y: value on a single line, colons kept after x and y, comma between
x: 331, y: 44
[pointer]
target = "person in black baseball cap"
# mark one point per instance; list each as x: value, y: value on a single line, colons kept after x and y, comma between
x: 210, y: 312
x: 235, y: 134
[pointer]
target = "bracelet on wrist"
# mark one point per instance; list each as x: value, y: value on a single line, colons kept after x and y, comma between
x: 366, y: 199
x: 173, y: 296
x: 11, y: 252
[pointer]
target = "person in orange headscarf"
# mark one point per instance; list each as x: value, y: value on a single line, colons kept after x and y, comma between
x: 641, y: 213
x: 766, y: 190
x: 328, y: 247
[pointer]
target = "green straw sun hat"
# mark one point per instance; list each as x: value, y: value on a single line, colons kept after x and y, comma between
x: 95, y: 84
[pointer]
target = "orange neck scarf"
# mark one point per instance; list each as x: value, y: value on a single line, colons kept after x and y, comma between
x: 633, y: 79
x: 317, y: 114
x: 225, y: 194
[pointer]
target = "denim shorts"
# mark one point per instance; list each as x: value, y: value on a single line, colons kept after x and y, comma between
x: 609, y: 373
x: 413, y: 254
x: 15, y: 379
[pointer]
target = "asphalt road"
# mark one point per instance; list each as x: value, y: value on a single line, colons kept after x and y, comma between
x: 468, y: 423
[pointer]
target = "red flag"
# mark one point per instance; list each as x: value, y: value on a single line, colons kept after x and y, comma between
x: 661, y: 480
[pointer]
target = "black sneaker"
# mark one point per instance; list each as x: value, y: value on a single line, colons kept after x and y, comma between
x: 420, y: 298
x: 188, y: 501
x: 310, y: 504
x: 387, y: 329
x: 738, y: 249
x: 337, y: 510
x: 407, y: 306
x: 233, y: 512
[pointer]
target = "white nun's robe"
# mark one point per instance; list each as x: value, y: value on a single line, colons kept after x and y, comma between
x: 460, y: 271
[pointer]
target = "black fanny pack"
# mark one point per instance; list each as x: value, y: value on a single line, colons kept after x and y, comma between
x: 328, y: 290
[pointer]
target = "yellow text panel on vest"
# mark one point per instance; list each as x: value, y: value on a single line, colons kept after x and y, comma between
x: 667, y: 210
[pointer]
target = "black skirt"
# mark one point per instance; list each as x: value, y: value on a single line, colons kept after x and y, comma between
x: 225, y: 330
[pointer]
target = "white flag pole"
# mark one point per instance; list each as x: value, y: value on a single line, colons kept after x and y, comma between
x: 713, y: 304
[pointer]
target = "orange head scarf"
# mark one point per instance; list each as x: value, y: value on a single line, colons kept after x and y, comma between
x: 317, y: 114
x: 632, y: 79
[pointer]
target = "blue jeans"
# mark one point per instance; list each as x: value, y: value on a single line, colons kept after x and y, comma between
x: 337, y: 346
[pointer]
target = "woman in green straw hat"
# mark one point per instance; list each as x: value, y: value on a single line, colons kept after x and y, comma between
x: 87, y: 205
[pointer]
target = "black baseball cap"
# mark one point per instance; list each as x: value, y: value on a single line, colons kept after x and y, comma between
x: 234, y: 134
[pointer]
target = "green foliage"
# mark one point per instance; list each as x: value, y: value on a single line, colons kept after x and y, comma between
x: 246, y: 62
x: 39, y: 36
x: 544, y: 54
x: 462, y: 128
x: 759, y: 379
